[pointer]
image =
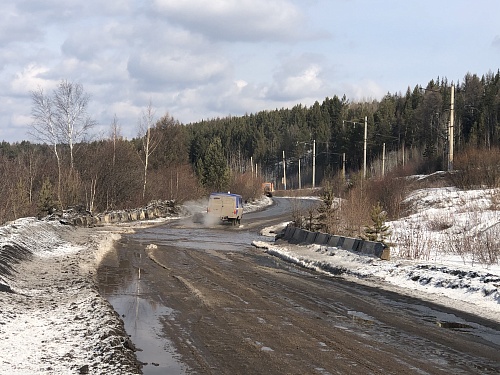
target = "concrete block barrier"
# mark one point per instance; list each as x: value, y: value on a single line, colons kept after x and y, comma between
x: 301, y: 236
x: 382, y: 251
x: 356, y: 246
x: 376, y: 248
x: 311, y: 237
x: 322, y: 238
x: 335, y: 241
x: 348, y: 243
x: 289, y: 230
x: 368, y: 247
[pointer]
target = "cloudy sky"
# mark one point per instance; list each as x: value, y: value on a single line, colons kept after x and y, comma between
x: 199, y: 59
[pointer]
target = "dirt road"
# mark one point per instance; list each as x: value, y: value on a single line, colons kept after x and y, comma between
x: 236, y: 310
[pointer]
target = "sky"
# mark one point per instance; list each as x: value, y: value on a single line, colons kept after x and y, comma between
x: 200, y: 59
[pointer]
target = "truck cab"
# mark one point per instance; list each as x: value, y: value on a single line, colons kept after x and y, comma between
x: 226, y: 206
x: 268, y: 188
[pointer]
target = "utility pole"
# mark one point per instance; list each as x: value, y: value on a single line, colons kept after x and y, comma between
x: 450, y: 126
x: 343, y: 166
x: 365, y: 139
x: 383, y: 160
x: 284, y: 171
x: 364, y: 147
x: 314, y: 163
x: 300, y: 183
x: 450, y: 129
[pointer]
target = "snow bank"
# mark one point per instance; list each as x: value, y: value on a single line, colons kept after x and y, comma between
x: 442, y: 270
x: 52, y: 318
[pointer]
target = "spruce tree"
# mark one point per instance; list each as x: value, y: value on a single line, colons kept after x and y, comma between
x: 212, y: 168
x: 326, y: 211
x: 379, y: 230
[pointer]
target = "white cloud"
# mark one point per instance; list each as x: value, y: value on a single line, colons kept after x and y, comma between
x: 244, y: 20
x: 299, y: 77
x: 191, y: 57
x: 155, y: 69
x: 16, y: 26
x: 364, y: 90
x: 30, y: 78
x: 305, y: 82
x: 241, y: 83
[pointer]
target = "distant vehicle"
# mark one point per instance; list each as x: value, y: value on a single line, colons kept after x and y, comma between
x: 226, y: 206
x: 268, y: 188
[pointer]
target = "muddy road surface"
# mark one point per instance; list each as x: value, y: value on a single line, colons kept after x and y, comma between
x: 202, y: 300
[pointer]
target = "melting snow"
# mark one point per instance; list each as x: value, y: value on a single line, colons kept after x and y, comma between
x: 52, y: 319
x: 443, y: 222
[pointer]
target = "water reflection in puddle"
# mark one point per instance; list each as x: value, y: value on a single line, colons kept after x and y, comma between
x: 141, y: 317
x: 198, y: 238
x: 142, y: 324
x: 451, y: 321
x: 361, y: 317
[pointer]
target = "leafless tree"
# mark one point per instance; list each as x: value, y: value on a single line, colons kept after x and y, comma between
x: 114, y: 136
x: 71, y: 118
x: 44, y: 127
x: 150, y: 140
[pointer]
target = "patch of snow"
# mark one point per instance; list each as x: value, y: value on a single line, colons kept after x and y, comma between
x: 444, y: 223
x: 53, y: 320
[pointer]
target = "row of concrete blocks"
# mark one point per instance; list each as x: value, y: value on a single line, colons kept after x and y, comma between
x: 296, y: 235
x: 118, y: 217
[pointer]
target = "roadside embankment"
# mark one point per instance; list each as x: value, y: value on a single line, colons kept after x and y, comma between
x: 52, y: 318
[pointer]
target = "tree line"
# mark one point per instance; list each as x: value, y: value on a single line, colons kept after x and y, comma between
x: 64, y: 168
x: 413, y: 124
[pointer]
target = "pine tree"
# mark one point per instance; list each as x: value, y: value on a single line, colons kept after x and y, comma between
x: 379, y: 231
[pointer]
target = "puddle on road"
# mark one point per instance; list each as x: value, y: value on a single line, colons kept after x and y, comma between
x: 142, y: 324
x: 141, y: 317
x: 453, y: 325
x: 361, y: 317
x: 448, y: 320
x: 120, y: 284
x: 198, y: 238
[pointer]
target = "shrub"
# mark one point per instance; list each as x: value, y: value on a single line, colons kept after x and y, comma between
x: 477, y: 168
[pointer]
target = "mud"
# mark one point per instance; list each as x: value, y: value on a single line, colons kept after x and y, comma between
x: 224, y: 307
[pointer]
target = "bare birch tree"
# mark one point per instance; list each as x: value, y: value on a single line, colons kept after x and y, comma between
x: 114, y: 136
x: 44, y: 127
x: 150, y: 140
x: 71, y: 117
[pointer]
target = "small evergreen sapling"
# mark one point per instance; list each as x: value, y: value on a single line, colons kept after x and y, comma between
x: 379, y: 230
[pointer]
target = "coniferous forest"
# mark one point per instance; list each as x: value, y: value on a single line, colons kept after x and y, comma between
x: 405, y: 131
